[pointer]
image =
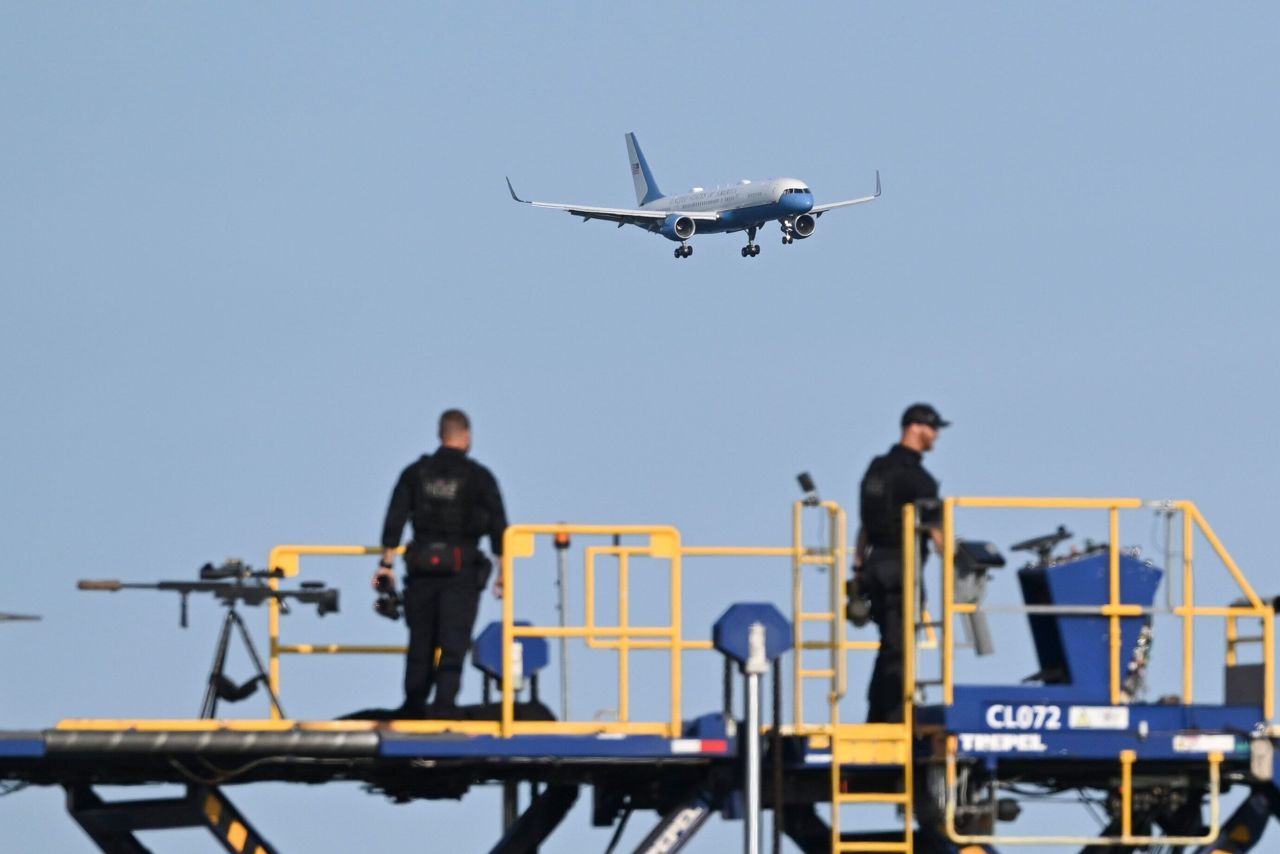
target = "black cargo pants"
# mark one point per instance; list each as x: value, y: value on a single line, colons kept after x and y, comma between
x: 441, y: 613
x: 883, y: 574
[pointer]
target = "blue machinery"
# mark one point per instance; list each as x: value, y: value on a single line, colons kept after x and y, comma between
x: 968, y: 758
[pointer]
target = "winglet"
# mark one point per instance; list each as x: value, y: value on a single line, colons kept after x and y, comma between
x: 513, y: 193
x: 877, y: 195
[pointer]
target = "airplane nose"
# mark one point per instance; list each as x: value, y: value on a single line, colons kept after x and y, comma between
x: 797, y: 203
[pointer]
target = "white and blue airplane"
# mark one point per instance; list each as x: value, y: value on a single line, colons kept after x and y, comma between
x: 745, y: 206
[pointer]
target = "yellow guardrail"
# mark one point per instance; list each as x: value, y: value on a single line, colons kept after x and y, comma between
x: 1192, y: 521
x: 659, y: 542
x: 288, y: 559
x: 663, y: 543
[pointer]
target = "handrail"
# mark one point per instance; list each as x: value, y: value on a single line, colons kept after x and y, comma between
x: 1114, y: 609
x: 1126, y: 836
x: 664, y: 542
x: 910, y: 568
x: 287, y: 559
x: 623, y: 552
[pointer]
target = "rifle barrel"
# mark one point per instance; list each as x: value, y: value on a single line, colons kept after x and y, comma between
x: 229, y: 591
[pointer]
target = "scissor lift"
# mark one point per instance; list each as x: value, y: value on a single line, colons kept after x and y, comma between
x: 942, y: 778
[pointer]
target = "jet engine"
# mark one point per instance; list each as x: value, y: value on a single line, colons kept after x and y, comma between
x: 804, y: 225
x: 677, y: 227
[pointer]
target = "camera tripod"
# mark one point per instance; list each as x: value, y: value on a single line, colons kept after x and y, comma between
x: 222, y: 688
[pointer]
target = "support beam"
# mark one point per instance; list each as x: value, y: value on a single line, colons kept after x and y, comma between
x: 537, y: 822
x: 111, y: 826
x: 803, y: 826
x: 99, y: 820
x: 1242, y: 831
x: 677, y: 827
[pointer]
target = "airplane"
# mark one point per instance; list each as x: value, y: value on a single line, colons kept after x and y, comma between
x: 745, y: 206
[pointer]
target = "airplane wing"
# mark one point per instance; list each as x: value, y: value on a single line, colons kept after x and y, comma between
x: 648, y: 220
x: 819, y: 210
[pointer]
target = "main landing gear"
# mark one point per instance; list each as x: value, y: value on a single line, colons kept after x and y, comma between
x: 752, y: 249
x: 684, y: 250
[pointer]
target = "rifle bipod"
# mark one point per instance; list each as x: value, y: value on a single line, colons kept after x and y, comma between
x: 222, y: 688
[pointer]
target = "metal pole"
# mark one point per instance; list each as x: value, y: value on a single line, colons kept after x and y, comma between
x: 562, y: 570
x: 755, y: 666
x: 1168, y: 557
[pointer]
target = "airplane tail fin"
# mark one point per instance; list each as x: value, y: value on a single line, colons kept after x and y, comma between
x: 646, y: 188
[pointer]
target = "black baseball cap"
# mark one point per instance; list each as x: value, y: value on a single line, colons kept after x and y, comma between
x: 923, y: 413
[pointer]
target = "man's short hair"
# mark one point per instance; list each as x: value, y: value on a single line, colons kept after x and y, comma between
x: 453, y: 422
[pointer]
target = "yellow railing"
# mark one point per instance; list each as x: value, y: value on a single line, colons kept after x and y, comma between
x: 665, y: 543
x: 661, y: 542
x: 288, y: 559
x: 658, y: 542
x: 1115, y: 609
x: 625, y: 638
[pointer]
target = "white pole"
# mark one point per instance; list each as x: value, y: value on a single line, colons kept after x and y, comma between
x: 1168, y: 558
x: 562, y: 569
x: 755, y: 665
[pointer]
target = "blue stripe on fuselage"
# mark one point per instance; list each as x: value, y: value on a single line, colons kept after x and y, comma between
x: 739, y: 219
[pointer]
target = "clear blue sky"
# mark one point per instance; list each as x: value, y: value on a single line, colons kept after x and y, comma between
x: 248, y: 253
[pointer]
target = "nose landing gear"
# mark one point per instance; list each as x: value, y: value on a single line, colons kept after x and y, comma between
x: 788, y: 235
x: 684, y: 250
x: 752, y: 249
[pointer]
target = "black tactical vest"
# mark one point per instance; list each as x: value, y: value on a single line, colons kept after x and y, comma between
x: 444, y: 500
x: 880, y: 507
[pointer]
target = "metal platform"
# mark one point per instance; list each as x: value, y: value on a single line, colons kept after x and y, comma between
x: 949, y: 774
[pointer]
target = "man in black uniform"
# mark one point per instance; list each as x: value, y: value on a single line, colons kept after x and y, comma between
x: 892, y: 480
x: 453, y: 501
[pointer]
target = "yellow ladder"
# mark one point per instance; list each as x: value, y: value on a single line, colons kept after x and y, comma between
x: 832, y: 556
x: 881, y: 744
x: 887, y: 745
x: 870, y: 745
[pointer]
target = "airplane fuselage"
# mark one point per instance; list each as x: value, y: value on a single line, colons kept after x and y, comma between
x: 743, y: 205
